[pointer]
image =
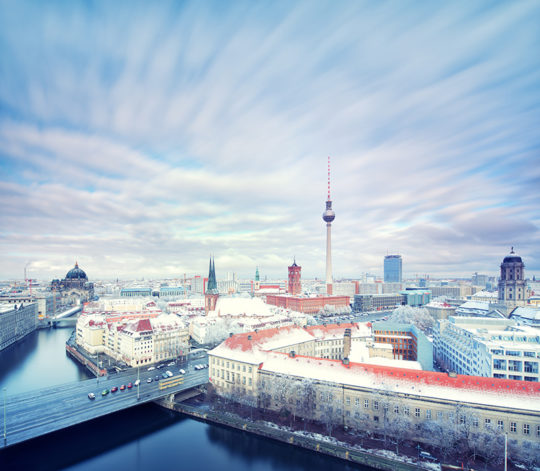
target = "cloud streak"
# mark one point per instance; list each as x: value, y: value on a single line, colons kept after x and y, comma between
x: 140, y: 139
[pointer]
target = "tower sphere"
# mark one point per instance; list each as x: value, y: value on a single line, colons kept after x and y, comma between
x: 329, y: 215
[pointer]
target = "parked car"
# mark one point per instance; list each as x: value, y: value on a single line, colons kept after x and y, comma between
x: 152, y: 368
x: 156, y: 378
x: 182, y: 372
x: 114, y: 389
x: 160, y: 366
x: 169, y: 373
x: 149, y: 380
x: 104, y: 392
x: 130, y: 385
x: 91, y: 396
x: 122, y: 387
x: 137, y: 382
x: 172, y: 363
x: 164, y: 375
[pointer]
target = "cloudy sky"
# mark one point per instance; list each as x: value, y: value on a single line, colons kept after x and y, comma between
x: 139, y: 138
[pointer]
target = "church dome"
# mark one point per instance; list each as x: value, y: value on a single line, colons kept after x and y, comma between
x: 76, y: 273
x: 512, y: 257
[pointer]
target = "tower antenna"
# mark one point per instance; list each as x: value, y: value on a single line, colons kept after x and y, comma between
x: 328, y: 178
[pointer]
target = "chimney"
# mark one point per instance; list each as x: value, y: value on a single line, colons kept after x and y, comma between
x: 347, y: 343
x: 292, y: 353
x: 249, y: 337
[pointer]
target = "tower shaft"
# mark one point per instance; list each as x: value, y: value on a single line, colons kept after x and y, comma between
x: 329, y: 258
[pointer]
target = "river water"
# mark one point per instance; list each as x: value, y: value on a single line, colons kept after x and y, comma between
x: 146, y: 437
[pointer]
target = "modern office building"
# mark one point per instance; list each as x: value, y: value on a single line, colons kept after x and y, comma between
x: 498, y: 348
x: 135, y: 292
x: 377, y: 302
x: 392, y: 269
x: 16, y: 322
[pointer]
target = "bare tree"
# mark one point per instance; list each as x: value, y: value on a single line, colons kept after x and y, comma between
x: 420, y: 317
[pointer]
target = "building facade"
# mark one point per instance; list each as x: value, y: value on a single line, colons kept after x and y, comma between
x: 307, y: 304
x: 377, y: 302
x: 16, y: 322
x: 393, y: 269
x: 490, y: 347
x: 374, y: 398
x: 294, y: 285
x: 512, y: 288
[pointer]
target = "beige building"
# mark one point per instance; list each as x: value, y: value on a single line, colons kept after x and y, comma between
x: 266, y: 368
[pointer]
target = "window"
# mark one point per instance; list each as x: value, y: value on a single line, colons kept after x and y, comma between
x: 348, y: 401
x: 428, y: 414
x: 249, y: 381
x: 526, y: 429
x: 475, y: 421
x: 538, y: 430
x: 366, y: 403
x: 376, y: 418
x: 406, y: 410
x: 376, y: 405
x: 357, y: 401
x: 513, y: 427
x: 417, y: 412
x: 396, y: 409
x: 439, y: 415
x: 500, y: 425
x: 487, y: 423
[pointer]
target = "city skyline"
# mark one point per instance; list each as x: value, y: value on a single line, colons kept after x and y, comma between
x: 137, y: 140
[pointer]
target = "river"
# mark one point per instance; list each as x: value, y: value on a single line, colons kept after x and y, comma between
x: 146, y: 437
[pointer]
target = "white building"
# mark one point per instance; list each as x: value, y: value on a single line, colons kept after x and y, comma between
x: 498, y: 348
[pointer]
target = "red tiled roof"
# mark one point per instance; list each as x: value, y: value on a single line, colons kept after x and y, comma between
x: 143, y: 325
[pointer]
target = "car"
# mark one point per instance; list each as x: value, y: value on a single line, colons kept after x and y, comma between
x: 182, y: 372
x: 104, y: 392
x: 137, y: 382
x: 172, y: 363
x: 160, y: 366
x: 114, y: 389
x: 427, y: 456
x: 91, y: 396
x: 152, y: 368
x: 149, y: 380
x: 130, y: 385
x: 122, y: 387
x: 156, y: 378
x: 164, y: 375
x: 169, y: 373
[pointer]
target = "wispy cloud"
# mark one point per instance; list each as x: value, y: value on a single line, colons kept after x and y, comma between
x: 139, y: 139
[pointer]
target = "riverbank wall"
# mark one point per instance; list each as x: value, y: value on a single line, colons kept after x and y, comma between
x: 318, y: 444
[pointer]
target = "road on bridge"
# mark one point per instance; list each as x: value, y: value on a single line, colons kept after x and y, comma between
x: 42, y: 411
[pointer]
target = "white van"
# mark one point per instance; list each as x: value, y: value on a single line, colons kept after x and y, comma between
x: 137, y: 382
x: 169, y: 374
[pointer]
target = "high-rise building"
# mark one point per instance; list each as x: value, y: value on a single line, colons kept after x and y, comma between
x: 512, y: 286
x: 295, y: 285
x: 212, y: 293
x: 328, y: 216
x: 392, y: 269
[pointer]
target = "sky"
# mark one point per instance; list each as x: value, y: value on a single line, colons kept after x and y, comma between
x: 139, y: 138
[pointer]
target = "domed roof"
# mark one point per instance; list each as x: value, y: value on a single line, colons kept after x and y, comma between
x: 512, y: 257
x: 76, y: 273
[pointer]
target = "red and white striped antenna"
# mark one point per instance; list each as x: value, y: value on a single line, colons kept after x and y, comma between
x: 328, y: 178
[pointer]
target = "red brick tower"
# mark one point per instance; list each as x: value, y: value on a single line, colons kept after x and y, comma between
x: 295, y: 285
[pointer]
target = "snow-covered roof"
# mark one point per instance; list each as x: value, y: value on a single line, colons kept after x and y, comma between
x: 425, y: 384
x: 240, y: 305
x: 530, y: 313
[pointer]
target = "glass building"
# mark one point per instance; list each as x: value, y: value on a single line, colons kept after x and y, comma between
x: 392, y: 269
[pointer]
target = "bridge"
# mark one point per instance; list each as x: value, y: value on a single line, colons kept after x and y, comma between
x: 31, y: 414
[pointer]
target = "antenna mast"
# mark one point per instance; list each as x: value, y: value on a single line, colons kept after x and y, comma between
x: 328, y: 178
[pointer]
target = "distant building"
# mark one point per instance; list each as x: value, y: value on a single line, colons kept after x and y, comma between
x: 408, y: 342
x: 212, y: 293
x: 439, y: 310
x: 526, y: 315
x: 307, y: 304
x: 478, y: 309
x: 135, y: 292
x: 392, y: 269
x: 416, y: 297
x: 497, y: 348
x: 75, y: 286
x: 512, y: 287
x: 295, y: 284
x: 16, y: 322
x: 448, y: 291
x: 174, y: 291
x: 377, y: 302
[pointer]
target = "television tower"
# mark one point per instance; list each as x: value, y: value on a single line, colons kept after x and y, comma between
x: 328, y: 216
